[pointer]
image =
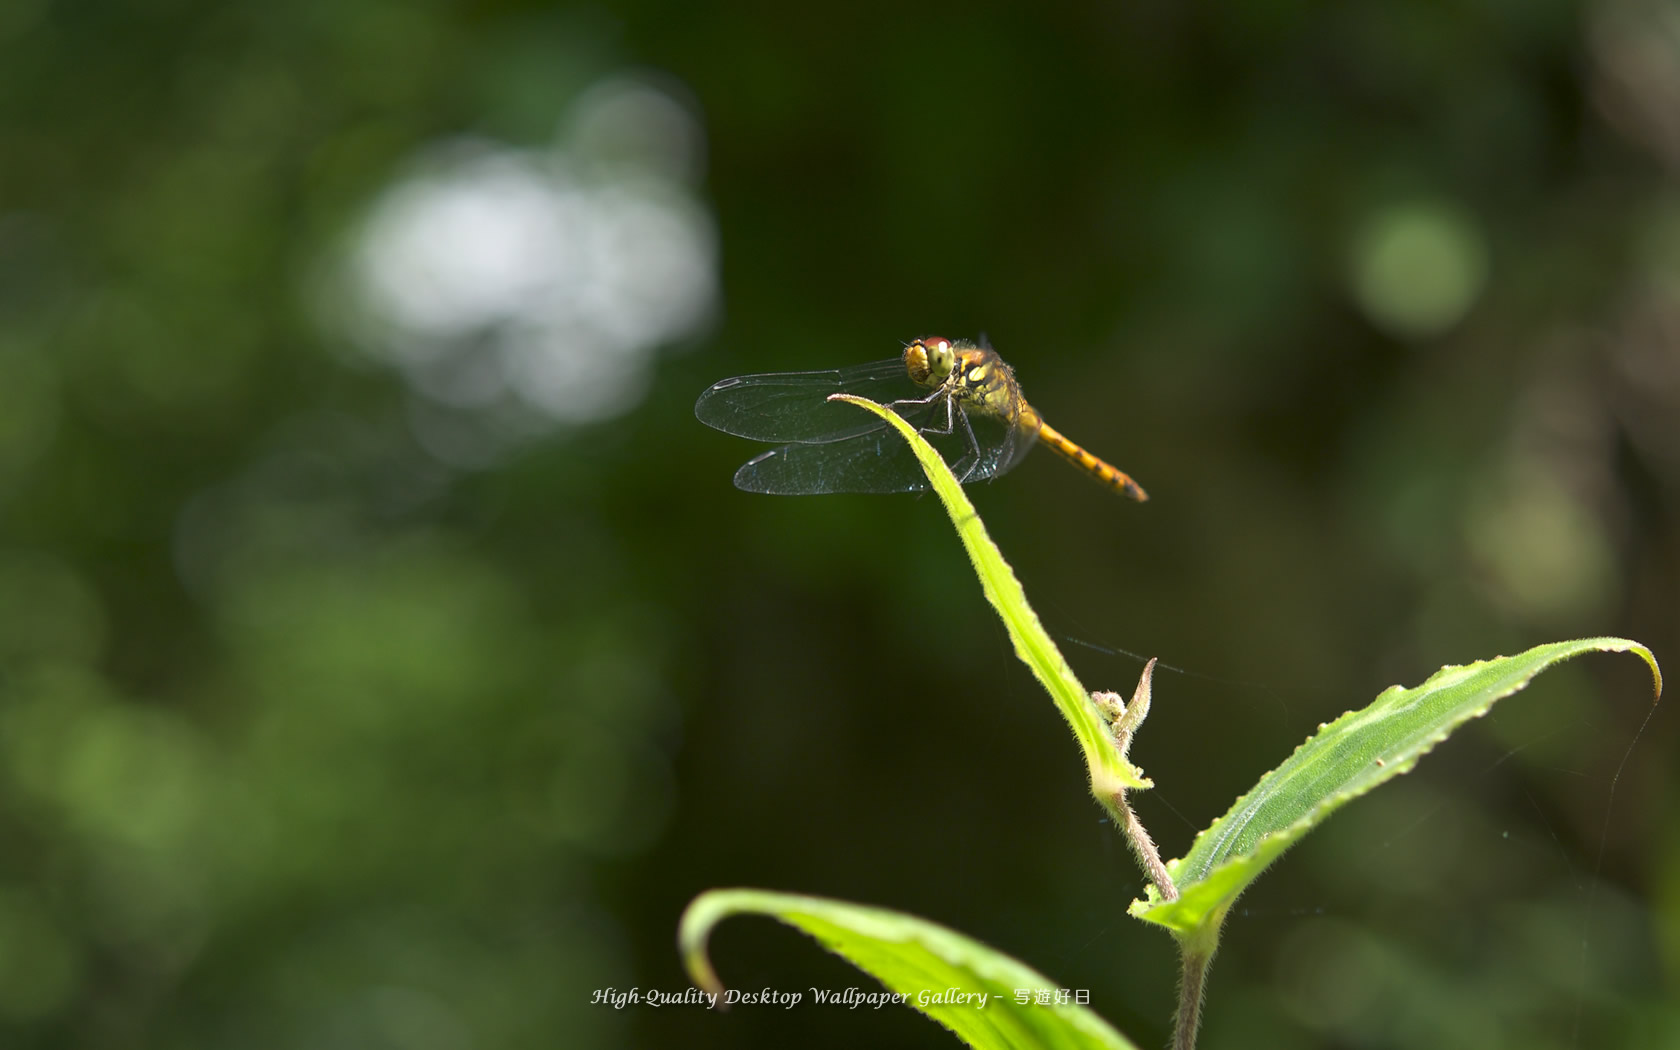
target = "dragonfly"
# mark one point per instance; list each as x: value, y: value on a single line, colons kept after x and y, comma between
x: 963, y: 397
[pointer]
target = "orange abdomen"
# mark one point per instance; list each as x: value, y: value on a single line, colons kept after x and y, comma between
x: 1104, y: 472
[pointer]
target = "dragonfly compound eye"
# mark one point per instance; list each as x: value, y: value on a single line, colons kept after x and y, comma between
x: 929, y: 360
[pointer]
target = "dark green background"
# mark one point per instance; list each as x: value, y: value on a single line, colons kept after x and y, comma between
x: 310, y: 740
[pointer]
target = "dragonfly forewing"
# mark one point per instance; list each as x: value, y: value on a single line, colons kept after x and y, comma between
x: 793, y: 406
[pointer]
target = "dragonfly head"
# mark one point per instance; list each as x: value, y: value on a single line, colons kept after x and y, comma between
x: 929, y: 361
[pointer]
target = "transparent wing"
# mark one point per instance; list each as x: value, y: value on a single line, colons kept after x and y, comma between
x: 879, y: 460
x: 793, y: 406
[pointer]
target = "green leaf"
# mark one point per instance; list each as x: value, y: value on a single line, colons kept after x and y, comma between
x: 926, y: 964
x: 1110, y: 771
x: 1345, y: 759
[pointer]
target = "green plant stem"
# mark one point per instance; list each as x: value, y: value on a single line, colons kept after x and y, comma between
x: 1143, y: 848
x: 1191, y: 986
x: 1195, y: 955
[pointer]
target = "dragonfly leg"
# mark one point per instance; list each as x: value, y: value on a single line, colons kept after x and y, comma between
x: 930, y: 399
x: 950, y: 422
x: 973, y: 445
x: 950, y: 409
x: 952, y: 414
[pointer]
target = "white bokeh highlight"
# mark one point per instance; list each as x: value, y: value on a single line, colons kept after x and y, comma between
x: 541, y: 282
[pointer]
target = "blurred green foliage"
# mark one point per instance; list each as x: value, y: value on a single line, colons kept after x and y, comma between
x: 339, y: 708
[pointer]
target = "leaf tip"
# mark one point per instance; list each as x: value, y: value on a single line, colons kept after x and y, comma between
x: 693, y: 930
x: 1656, y: 672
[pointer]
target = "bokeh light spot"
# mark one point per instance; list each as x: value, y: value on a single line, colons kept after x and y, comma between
x: 135, y: 777
x: 633, y: 122
x: 538, y: 284
x: 1418, y: 268
x: 1330, y: 975
x: 1546, y: 555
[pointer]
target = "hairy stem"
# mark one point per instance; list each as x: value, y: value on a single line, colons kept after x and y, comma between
x: 1192, y: 985
x: 1143, y: 848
